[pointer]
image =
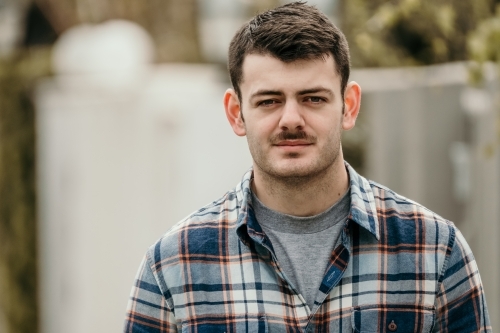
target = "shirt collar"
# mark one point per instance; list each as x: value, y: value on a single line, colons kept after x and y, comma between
x: 363, y: 210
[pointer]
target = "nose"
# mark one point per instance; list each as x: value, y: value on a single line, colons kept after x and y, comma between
x: 291, y: 117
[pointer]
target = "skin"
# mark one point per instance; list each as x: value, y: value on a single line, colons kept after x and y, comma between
x: 293, y: 115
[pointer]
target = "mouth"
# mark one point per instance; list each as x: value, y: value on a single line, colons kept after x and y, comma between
x: 292, y: 146
x: 293, y: 143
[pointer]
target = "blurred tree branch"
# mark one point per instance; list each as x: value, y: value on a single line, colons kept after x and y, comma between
x: 62, y: 14
x: 18, y: 245
x: 173, y: 24
x: 258, y: 6
x: 411, y: 32
x: 484, y: 45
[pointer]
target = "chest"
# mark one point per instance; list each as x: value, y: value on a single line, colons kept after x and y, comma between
x: 246, y: 291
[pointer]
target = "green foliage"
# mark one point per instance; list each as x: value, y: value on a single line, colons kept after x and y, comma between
x: 484, y: 44
x: 411, y: 32
x: 18, y: 266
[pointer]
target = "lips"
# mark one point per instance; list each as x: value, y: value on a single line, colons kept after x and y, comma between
x: 293, y: 146
x: 293, y: 143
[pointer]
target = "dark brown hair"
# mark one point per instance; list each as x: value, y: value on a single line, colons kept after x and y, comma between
x: 295, y: 31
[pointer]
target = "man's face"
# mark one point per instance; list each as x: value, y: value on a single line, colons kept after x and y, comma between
x: 292, y: 115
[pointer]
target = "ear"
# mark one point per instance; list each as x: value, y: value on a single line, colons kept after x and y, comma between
x: 233, y: 112
x: 352, y: 103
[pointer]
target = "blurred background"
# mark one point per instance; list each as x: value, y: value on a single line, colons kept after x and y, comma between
x: 112, y: 129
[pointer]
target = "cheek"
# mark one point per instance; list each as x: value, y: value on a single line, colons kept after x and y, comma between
x: 327, y: 126
x: 252, y: 132
x: 262, y: 127
x: 256, y: 136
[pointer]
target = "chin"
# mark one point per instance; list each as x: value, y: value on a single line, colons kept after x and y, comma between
x: 295, y: 171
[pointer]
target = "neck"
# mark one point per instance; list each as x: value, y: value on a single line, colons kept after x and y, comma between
x: 302, y: 196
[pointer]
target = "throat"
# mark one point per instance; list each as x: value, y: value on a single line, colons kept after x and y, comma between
x: 300, y: 196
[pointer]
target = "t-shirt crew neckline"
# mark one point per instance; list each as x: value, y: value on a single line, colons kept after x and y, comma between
x: 301, y: 224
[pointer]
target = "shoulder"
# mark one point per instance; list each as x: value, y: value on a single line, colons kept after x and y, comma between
x: 404, y: 218
x: 198, y: 229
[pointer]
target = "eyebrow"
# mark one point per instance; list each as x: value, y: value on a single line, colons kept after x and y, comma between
x: 264, y: 92
x: 315, y: 90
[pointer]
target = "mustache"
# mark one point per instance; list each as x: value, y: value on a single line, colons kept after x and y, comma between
x: 298, y: 135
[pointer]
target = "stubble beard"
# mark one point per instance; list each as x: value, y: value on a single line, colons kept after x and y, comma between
x: 295, y: 178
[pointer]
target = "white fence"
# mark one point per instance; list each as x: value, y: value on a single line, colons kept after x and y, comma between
x: 119, y: 162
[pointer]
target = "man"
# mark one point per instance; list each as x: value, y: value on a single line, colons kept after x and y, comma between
x: 304, y: 243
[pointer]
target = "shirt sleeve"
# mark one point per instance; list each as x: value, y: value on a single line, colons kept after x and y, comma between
x: 460, y: 303
x: 148, y: 310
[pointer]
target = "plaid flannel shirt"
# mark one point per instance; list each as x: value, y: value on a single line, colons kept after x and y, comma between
x: 400, y: 268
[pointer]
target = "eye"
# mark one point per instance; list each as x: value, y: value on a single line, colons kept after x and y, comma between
x: 267, y: 102
x: 315, y: 99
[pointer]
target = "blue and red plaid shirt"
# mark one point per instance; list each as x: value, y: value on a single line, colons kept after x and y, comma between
x: 399, y: 268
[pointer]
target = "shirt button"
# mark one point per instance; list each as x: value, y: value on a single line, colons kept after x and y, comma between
x: 392, y: 326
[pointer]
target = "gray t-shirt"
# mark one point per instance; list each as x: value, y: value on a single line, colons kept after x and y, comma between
x: 303, y: 245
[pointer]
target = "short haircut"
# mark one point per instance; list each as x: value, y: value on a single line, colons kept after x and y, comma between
x: 295, y: 31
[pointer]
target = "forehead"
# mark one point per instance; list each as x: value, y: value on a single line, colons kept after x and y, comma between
x: 267, y: 72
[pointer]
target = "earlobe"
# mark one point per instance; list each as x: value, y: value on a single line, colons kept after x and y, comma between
x: 233, y: 112
x: 352, y: 103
